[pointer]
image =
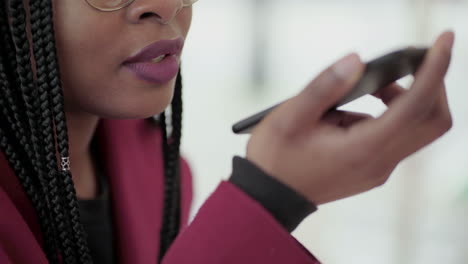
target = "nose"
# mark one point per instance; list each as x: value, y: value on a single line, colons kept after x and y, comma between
x: 162, y: 11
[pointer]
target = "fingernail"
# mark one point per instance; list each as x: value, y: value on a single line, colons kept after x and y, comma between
x: 348, y: 68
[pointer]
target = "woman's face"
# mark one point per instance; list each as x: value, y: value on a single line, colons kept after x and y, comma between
x: 93, y: 47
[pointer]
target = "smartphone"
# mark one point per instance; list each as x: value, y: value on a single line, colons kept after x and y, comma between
x: 378, y: 73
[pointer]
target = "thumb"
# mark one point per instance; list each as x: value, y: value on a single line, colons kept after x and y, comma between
x: 323, y: 92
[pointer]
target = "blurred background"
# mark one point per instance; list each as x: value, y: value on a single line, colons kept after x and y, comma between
x: 244, y: 55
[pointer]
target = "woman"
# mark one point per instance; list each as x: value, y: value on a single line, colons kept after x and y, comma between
x: 87, y: 175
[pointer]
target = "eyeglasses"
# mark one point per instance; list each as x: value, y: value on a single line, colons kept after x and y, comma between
x: 113, y: 5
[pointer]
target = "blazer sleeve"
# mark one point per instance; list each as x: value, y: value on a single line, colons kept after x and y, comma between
x: 233, y: 228
x: 4, y: 257
x: 16, y: 234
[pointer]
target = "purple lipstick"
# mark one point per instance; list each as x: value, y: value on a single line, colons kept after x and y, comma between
x: 157, y: 62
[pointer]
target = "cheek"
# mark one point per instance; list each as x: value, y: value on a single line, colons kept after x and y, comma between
x: 91, y: 50
x: 186, y: 20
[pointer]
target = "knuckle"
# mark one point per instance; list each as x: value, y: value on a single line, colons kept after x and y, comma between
x: 318, y: 93
x: 446, y: 122
x: 418, y: 112
x: 381, y: 181
x: 325, y: 87
x: 443, y: 123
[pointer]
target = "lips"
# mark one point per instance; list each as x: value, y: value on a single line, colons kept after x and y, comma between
x: 157, y: 62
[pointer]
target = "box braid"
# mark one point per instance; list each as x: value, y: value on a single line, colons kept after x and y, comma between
x: 13, y: 150
x: 19, y: 154
x: 171, y: 145
x: 41, y: 131
x: 51, y: 74
x: 31, y: 152
x: 48, y: 84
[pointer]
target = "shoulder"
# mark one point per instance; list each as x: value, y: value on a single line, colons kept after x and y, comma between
x: 16, y: 235
x: 14, y: 203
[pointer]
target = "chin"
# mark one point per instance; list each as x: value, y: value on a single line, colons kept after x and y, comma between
x: 138, y: 108
x: 132, y: 113
x: 121, y: 101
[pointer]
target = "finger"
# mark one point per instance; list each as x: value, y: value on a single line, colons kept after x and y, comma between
x: 434, y: 67
x: 350, y: 119
x: 390, y: 93
x: 418, y: 101
x: 323, y: 92
x: 344, y: 119
x: 423, y: 133
x: 443, y: 102
x: 426, y: 88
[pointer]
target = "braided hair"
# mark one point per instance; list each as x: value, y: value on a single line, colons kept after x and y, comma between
x: 33, y: 127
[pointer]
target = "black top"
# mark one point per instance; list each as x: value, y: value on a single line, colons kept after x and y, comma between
x: 288, y: 207
x: 96, y: 216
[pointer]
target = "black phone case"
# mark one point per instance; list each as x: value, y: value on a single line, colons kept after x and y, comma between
x: 385, y: 70
x: 378, y: 73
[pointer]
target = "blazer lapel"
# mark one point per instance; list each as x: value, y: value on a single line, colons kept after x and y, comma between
x: 131, y: 152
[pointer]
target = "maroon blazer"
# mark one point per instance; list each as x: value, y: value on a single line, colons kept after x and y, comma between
x: 229, y: 228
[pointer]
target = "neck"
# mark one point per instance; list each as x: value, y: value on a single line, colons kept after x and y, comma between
x: 81, y: 129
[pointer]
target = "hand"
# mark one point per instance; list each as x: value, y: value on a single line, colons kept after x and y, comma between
x: 327, y: 156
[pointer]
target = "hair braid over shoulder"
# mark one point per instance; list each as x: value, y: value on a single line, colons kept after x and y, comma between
x: 171, y: 145
x: 22, y: 156
x: 52, y: 99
